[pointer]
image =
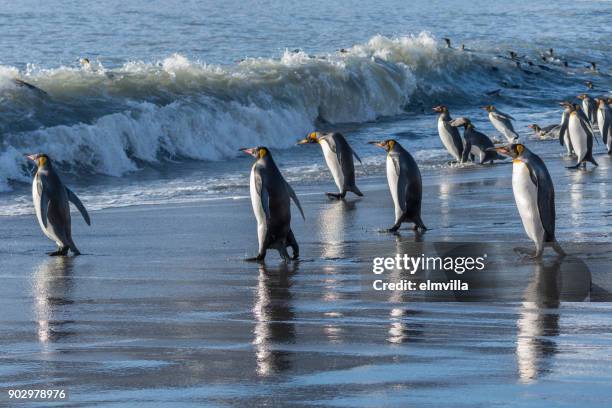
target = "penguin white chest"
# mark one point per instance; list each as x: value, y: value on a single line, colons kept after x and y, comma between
x: 578, y: 137
x: 46, y: 230
x: 447, y: 140
x: 526, y: 197
x: 393, y: 180
x: 333, y: 164
x: 258, y: 209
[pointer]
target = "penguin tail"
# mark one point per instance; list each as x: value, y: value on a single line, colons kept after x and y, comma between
x: 355, y: 190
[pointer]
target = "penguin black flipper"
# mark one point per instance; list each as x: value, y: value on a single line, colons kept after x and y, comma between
x: 467, y: 148
x: 546, y: 195
x: 79, y: 205
x: 295, y: 200
x: 357, y: 157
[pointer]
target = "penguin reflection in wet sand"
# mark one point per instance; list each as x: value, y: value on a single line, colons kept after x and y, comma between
x: 448, y: 134
x: 502, y: 122
x: 270, y: 197
x: 580, y: 135
x: 476, y: 143
x: 51, y: 202
x: 405, y: 184
x: 534, y: 194
x: 339, y: 158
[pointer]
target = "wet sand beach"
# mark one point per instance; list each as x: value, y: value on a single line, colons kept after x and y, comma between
x: 161, y: 309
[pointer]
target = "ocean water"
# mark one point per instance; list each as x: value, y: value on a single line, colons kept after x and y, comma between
x: 175, y: 88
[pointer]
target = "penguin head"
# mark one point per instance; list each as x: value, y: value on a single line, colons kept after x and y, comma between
x: 489, y: 108
x: 465, y: 122
x: 582, y: 96
x: 534, y: 127
x: 513, y: 150
x: 313, y: 137
x: 388, y: 144
x: 41, y: 159
x: 440, y: 108
x: 258, y: 152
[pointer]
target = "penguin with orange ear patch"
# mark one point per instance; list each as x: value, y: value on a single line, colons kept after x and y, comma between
x: 534, y: 194
x: 52, y: 205
x: 270, y: 198
x: 405, y: 183
x: 339, y: 158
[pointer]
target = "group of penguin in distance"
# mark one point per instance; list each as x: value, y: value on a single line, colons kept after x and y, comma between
x: 271, y: 194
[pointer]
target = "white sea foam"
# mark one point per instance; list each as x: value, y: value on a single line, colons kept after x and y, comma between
x: 112, y: 122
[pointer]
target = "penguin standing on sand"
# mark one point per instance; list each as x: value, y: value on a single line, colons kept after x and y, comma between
x: 270, y: 197
x: 476, y: 143
x: 589, y: 107
x: 564, y: 138
x: 534, y: 194
x: 405, y: 184
x: 502, y: 122
x: 604, y: 120
x: 339, y: 158
x: 580, y: 135
x: 52, y: 204
x: 448, y: 134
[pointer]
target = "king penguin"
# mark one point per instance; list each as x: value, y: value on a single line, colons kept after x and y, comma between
x: 589, y: 107
x: 339, y: 158
x: 581, y: 136
x: 604, y: 121
x: 564, y: 138
x: 534, y: 194
x: 476, y: 144
x: 405, y: 183
x: 448, y: 134
x: 270, y: 198
x: 502, y: 122
x: 51, y: 202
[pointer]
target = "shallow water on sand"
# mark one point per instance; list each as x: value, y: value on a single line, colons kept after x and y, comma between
x: 161, y: 309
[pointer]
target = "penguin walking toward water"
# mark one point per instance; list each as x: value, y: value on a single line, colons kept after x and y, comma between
x: 476, y: 144
x: 564, y: 138
x: 339, y: 158
x: 502, y: 122
x: 589, y: 107
x: 580, y: 135
x: 448, y: 134
x: 270, y: 197
x: 405, y: 183
x: 604, y: 121
x: 534, y: 194
x: 52, y: 205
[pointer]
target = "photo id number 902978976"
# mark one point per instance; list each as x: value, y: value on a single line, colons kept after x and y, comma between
x: 37, y: 394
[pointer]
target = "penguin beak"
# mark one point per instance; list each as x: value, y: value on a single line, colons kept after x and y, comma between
x: 32, y: 157
x: 252, y: 151
x: 379, y: 144
x: 485, y: 108
x: 303, y: 141
x: 435, y: 109
x: 530, y: 126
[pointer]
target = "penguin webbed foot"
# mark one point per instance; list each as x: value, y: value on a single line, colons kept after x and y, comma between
x: 59, y: 252
x: 336, y: 196
x: 530, y: 254
x: 259, y: 259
